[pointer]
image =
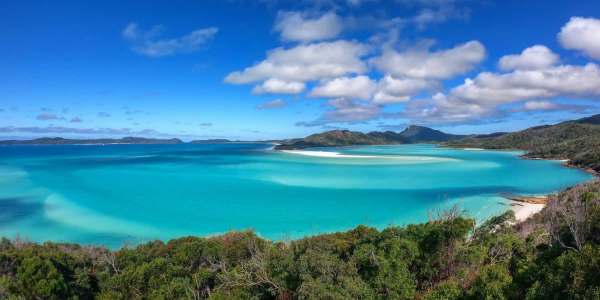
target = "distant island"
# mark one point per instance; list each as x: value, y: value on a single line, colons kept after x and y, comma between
x: 211, y: 141
x: 577, y: 141
x: 412, y: 134
x: 63, y: 141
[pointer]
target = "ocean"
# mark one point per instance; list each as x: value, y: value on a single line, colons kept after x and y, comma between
x: 119, y: 195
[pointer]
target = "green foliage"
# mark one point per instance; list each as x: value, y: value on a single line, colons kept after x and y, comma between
x: 447, y: 290
x: 578, y: 141
x: 493, y: 283
x: 448, y: 258
x: 38, y: 278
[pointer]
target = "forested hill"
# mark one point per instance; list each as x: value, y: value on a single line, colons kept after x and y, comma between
x: 63, y: 141
x: 412, y: 134
x: 576, y: 140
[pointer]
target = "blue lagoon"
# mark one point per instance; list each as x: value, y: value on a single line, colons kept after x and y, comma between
x: 115, y: 195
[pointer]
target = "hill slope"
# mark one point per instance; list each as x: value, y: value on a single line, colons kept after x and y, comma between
x: 577, y: 140
x: 412, y: 134
x: 419, y: 134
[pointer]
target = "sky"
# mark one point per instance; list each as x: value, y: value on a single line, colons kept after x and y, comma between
x: 272, y: 69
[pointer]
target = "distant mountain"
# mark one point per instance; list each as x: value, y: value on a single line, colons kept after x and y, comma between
x: 210, y: 141
x: 412, y: 134
x: 420, y: 134
x: 594, y: 120
x: 333, y: 138
x: 576, y: 140
x: 63, y: 141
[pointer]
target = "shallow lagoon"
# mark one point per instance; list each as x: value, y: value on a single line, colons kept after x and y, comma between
x: 115, y: 195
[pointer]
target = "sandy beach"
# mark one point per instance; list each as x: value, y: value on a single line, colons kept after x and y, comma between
x: 326, y: 154
x: 524, y: 210
x: 526, y: 206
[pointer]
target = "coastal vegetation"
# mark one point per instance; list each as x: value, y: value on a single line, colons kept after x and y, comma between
x: 577, y: 141
x: 553, y: 255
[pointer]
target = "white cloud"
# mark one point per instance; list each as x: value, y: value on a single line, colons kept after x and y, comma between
x: 582, y: 34
x: 359, y: 87
x: 277, y: 103
x: 539, y: 105
x: 276, y: 86
x: 565, y: 80
x: 439, y: 14
x: 296, y: 26
x: 532, y: 58
x: 148, y: 42
x: 443, y: 109
x: 305, y: 63
x: 482, y: 96
x: 346, y: 111
x: 441, y: 64
x: 394, y: 90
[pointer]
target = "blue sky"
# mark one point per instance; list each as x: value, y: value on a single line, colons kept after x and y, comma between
x: 267, y: 69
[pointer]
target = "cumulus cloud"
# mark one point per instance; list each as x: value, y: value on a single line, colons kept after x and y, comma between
x: 532, y: 58
x: 441, y: 12
x: 103, y: 114
x: 394, y: 90
x: 277, y: 103
x: 277, y: 86
x: 149, y: 43
x: 422, y: 63
x: 582, y: 34
x: 48, y: 117
x: 566, y: 80
x: 551, y: 106
x: 76, y: 120
x: 305, y: 63
x: 297, y: 26
x: 442, y: 109
x: 346, y: 111
x: 481, y: 96
x: 539, y: 105
x: 359, y: 87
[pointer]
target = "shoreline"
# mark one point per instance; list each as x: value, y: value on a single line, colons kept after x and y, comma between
x: 523, y: 207
x: 524, y: 211
x: 526, y: 206
x: 316, y: 153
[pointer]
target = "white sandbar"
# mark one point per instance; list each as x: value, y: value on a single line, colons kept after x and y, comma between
x: 525, y: 210
x: 327, y: 154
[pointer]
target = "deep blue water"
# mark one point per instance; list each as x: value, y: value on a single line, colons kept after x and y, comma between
x: 124, y: 194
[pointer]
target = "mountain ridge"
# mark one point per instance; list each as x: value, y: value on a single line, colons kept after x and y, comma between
x: 412, y: 134
x: 575, y: 140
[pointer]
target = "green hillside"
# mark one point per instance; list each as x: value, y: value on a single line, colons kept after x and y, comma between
x: 577, y: 141
x: 412, y: 134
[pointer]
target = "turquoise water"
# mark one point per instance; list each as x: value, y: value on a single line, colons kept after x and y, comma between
x: 116, y: 195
